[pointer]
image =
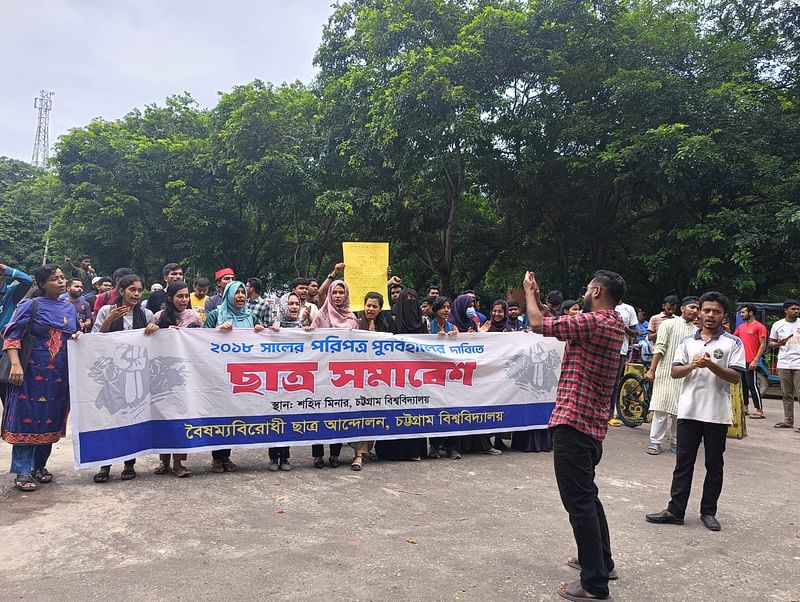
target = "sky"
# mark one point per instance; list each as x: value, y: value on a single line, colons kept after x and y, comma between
x: 103, y: 58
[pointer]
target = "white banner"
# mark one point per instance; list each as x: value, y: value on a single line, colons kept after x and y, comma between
x: 191, y: 390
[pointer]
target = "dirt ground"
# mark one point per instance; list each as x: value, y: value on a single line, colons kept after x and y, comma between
x: 480, y: 528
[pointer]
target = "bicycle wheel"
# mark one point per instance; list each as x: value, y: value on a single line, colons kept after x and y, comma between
x: 632, y: 400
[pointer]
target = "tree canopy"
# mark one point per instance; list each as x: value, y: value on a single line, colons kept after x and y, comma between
x: 480, y: 138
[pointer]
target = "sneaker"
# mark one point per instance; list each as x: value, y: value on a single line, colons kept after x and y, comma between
x: 286, y: 466
x: 615, y: 422
x: 272, y: 466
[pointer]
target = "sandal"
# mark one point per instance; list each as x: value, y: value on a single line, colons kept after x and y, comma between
x: 182, y: 472
x: 757, y: 416
x: 162, y: 468
x: 42, y: 475
x: 228, y: 466
x: 217, y: 466
x: 25, y: 482
x: 782, y: 425
x: 356, y: 465
x: 573, y: 562
x: 654, y: 449
x: 574, y: 591
x: 128, y: 473
x: 102, y: 476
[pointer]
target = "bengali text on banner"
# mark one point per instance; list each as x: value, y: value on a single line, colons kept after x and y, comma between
x: 194, y: 389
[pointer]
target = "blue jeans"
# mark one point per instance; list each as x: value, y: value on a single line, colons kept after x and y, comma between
x: 27, y: 458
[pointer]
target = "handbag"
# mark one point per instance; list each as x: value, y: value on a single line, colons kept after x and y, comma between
x: 24, y: 352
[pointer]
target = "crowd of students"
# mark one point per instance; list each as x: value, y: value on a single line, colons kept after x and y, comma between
x: 57, y: 304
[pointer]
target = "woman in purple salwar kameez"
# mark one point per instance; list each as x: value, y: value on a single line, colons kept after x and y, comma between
x: 37, y: 403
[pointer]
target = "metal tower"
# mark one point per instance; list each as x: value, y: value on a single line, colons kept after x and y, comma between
x: 41, y: 146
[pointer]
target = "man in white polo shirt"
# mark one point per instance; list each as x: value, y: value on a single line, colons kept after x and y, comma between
x: 785, y: 337
x: 709, y: 362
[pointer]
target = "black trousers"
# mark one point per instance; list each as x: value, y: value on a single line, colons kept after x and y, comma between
x: 750, y: 388
x: 317, y: 451
x: 575, y: 456
x: 690, y: 433
x: 221, y: 454
x: 279, y: 453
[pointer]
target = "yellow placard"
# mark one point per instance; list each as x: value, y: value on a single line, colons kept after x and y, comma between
x: 365, y: 270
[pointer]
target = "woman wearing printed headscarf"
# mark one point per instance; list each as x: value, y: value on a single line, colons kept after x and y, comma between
x: 288, y: 317
x: 334, y: 313
x: 231, y: 313
x: 407, y: 320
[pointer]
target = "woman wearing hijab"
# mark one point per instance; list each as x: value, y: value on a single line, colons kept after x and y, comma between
x: 407, y: 320
x: 231, y: 313
x: 287, y: 318
x: 498, y: 318
x: 464, y: 315
x: 37, y: 399
x: 334, y: 313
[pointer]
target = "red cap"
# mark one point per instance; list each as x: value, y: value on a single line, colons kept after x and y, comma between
x: 223, y: 272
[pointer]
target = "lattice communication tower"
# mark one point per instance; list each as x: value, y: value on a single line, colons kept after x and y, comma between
x: 41, y: 146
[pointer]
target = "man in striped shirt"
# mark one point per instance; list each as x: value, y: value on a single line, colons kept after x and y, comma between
x: 666, y: 389
x: 580, y: 419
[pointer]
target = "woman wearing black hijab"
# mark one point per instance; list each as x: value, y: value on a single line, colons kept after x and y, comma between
x: 407, y: 320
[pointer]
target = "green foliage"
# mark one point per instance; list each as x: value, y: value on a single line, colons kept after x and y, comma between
x: 480, y: 138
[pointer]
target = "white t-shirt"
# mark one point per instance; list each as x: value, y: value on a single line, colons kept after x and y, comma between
x: 789, y: 354
x: 628, y: 315
x: 704, y: 395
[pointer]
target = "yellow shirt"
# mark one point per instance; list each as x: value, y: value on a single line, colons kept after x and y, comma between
x: 199, y: 306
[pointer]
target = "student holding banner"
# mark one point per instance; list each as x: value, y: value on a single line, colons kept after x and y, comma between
x: 407, y: 320
x: 334, y: 313
x: 125, y: 313
x: 177, y: 313
x: 289, y: 318
x: 231, y: 313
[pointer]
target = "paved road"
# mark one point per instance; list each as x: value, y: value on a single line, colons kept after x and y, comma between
x: 482, y: 528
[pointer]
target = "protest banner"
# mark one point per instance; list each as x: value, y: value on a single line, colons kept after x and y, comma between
x: 365, y: 270
x: 191, y: 390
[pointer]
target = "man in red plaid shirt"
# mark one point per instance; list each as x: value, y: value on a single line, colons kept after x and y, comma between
x: 580, y: 419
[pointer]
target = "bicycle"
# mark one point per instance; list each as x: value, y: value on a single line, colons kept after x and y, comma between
x: 633, y: 399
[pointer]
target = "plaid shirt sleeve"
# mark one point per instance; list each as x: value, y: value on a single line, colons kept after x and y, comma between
x: 262, y: 311
x: 570, y: 328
